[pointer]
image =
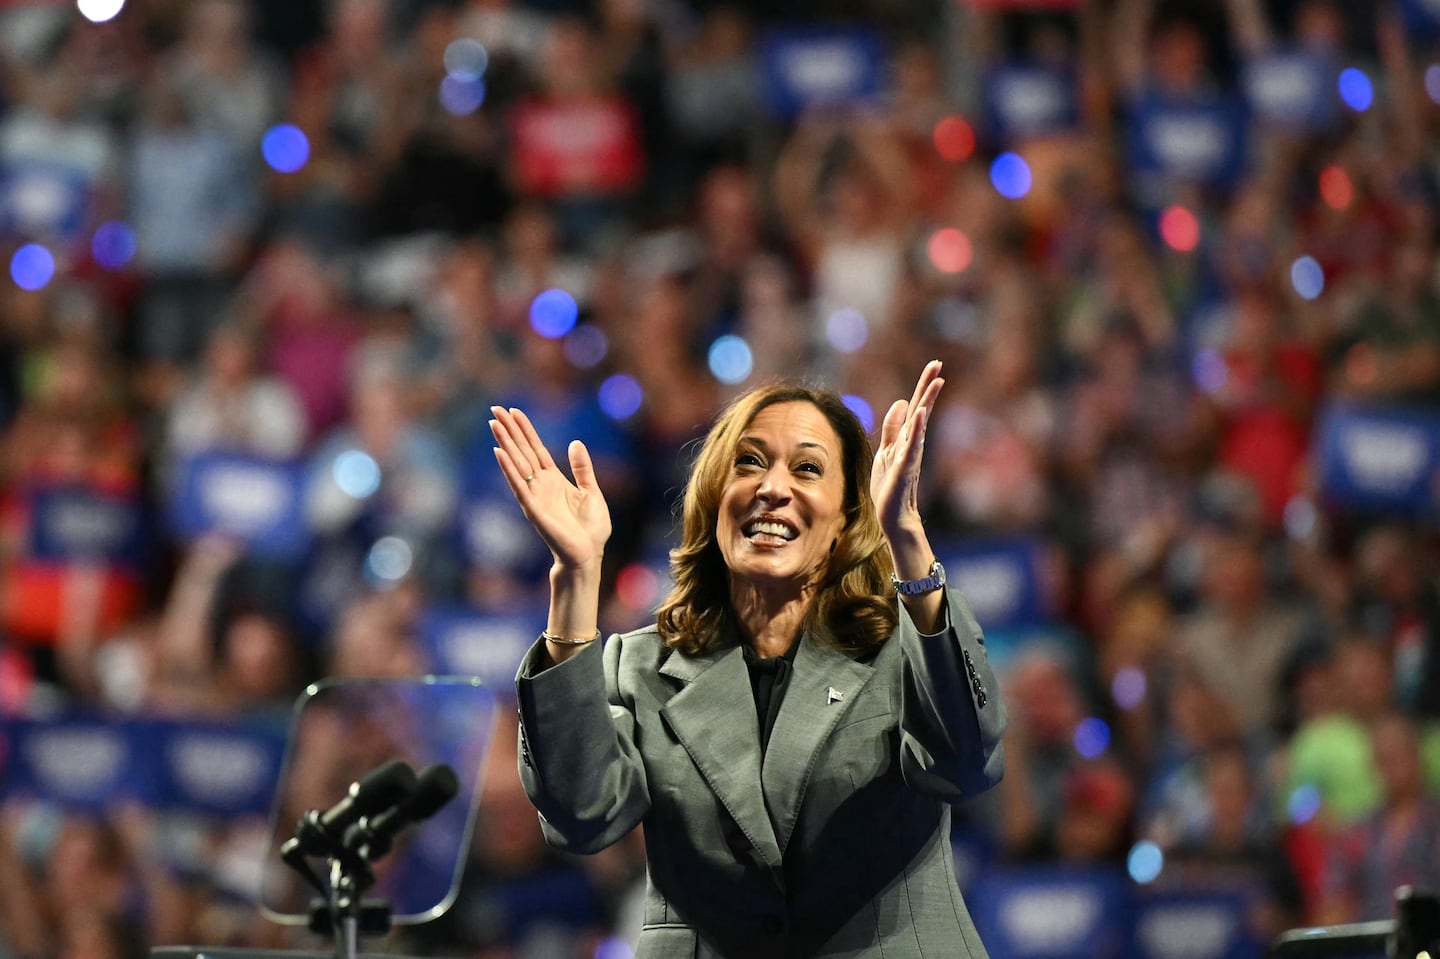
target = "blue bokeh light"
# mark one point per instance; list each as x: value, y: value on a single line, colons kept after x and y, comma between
x: 356, y: 473
x: 1303, y: 804
x: 861, y: 409
x: 1356, y: 89
x: 614, y: 948
x: 286, y: 148
x: 1145, y: 862
x: 730, y: 359
x: 586, y: 346
x: 1011, y: 175
x: 1128, y: 687
x: 553, y: 313
x: 466, y: 58
x: 847, y: 330
x: 113, y: 245
x: 621, y: 396
x: 32, y: 266
x: 462, y: 96
x: 1307, y: 277
x: 390, y: 560
x: 1092, y: 737
x: 1432, y: 82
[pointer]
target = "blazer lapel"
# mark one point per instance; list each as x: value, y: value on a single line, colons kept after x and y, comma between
x: 821, y: 690
x: 713, y: 716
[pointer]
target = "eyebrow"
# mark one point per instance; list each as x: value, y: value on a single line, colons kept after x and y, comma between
x: 803, y: 444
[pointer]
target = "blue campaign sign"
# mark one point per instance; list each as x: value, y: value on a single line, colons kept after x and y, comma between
x: 808, y: 68
x: 1194, y: 924
x: 218, y: 769
x: 256, y: 500
x: 1198, y: 141
x: 1051, y: 913
x: 464, y: 641
x: 87, y: 764
x: 1380, y: 460
x: 1028, y: 100
x: 79, y: 523
x: 1001, y: 579
x: 1292, y: 89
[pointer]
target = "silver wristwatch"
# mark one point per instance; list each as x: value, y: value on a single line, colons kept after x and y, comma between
x: 914, y: 587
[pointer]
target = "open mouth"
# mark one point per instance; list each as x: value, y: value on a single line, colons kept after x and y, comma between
x: 770, y: 530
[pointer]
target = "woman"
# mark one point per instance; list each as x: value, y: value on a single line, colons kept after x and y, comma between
x: 790, y: 738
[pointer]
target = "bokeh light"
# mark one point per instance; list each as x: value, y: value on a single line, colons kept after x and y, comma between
x: 1092, y: 737
x: 462, y: 96
x: 1303, y: 804
x: 99, y: 11
x: 1336, y: 188
x: 286, y: 148
x: 586, y: 346
x: 614, y: 948
x: 954, y: 139
x: 1180, y: 229
x: 730, y: 359
x: 1301, y: 518
x: 553, y: 313
x: 113, y: 245
x: 1145, y: 862
x: 1307, y: 277
x: 1432, y: 82
x: 1128, y: 687
x: 356, y: 473
x: 1010, y: 175
x: 620, y: 396
x: 32, y: 267
x: 466, y: 59
x: 638, y: 587
x: 390, y: 559
x: 847, y: 330
x: 949, y: 250
x: 1356, y: 89
x: 861, y: 409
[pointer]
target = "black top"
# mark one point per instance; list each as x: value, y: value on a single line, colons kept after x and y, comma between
x: 769, y: 678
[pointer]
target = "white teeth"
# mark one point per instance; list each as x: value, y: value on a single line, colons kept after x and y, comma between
x: 770, y: 528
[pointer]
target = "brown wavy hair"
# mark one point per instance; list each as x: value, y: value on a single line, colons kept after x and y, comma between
x: 854, y: 608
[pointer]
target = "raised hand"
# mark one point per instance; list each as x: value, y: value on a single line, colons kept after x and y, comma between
x: 571, y: 518
x: 895, y: 477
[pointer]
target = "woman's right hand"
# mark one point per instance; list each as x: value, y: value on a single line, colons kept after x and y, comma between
x: 571, y: 518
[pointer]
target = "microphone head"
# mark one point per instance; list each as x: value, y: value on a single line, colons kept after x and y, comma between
x: 436, y: 786
x: 384, y: 787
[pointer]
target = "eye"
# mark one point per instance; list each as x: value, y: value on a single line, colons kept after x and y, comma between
x: 746, y: 459
x: 809, y: 467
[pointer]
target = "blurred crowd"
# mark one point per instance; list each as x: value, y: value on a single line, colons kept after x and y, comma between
x: 328, y: 236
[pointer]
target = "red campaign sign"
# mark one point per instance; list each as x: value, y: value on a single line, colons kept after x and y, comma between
x: 576, y: 147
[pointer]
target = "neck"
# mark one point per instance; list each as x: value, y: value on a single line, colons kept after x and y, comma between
x: 769, y: 621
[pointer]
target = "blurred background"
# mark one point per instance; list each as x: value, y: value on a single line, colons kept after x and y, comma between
x: 270, y: 263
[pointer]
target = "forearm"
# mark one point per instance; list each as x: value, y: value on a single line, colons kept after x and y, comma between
x: 913, y: 556
x: 574, y: 607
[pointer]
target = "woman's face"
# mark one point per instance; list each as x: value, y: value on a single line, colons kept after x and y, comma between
x: 783, y: 505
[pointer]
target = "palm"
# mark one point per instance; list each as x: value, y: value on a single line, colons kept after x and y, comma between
x: 571, y: 517
x: 895, y: 475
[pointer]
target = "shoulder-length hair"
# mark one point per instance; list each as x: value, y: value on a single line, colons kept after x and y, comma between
x: 854, y: 607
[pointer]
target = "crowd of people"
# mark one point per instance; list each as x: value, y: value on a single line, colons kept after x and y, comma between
x: 1158, y: 246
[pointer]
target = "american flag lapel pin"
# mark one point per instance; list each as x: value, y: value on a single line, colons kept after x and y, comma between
x: 833, y: 695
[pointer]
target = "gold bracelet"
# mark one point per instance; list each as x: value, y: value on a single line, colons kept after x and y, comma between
x: 550, y: 637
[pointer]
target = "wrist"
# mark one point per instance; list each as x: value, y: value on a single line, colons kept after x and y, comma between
x: 910, y: 553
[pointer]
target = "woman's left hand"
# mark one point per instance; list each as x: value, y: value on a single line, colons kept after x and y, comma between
x: 895, y: 477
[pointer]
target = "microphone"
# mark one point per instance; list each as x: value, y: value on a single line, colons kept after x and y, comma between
x: 320, y: 832
x: 372, y: 836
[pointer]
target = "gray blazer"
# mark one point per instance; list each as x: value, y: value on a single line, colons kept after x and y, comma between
x: 835, y: 842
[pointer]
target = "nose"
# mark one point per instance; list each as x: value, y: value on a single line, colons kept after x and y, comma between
x: 774, y: 485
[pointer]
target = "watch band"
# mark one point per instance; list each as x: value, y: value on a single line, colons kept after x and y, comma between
x: 914, y: 587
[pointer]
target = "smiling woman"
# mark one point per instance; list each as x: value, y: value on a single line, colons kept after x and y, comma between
x: 804, y: 583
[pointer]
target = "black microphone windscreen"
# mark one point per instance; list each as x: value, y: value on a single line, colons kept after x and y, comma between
x: 436, y: 786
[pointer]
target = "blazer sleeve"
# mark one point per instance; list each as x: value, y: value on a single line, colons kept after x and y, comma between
x: 951, y: 716
x: 578, y: 760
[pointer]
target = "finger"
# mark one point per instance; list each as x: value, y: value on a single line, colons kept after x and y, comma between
x: 508, y: 435
x: 582, y: 467
x: 927, y: 377
x: 932, y: 393
x: 915, y: 443
x: 893, y: 422
x: 539, y: 452
x: 514, y: 475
